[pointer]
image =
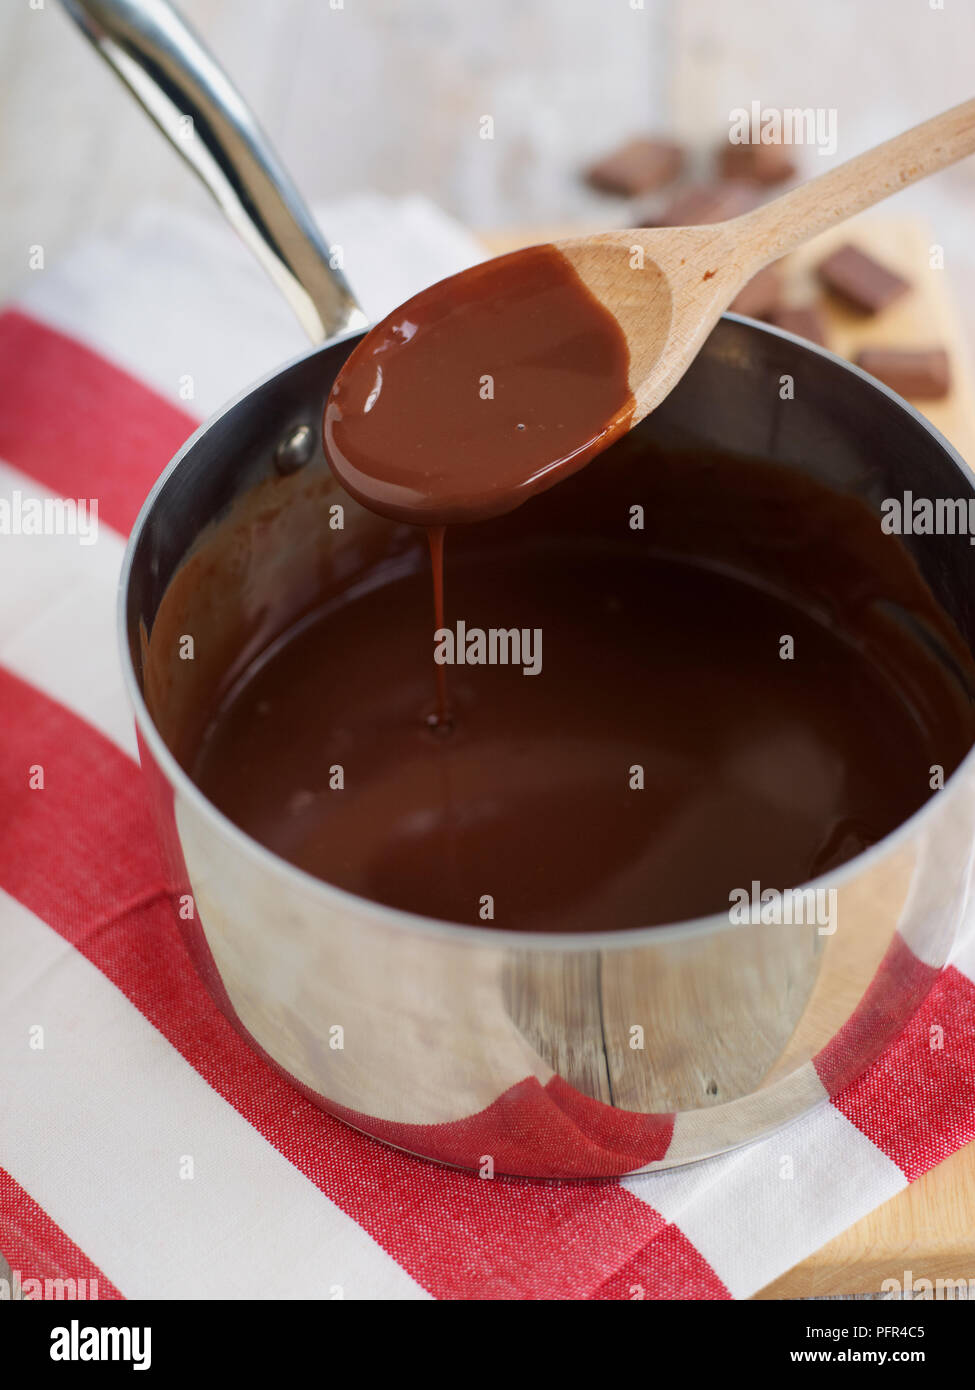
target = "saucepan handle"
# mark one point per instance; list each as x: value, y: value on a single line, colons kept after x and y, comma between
x: 196, y: 106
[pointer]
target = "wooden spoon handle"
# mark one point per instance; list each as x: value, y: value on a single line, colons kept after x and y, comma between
x: 813, y: 207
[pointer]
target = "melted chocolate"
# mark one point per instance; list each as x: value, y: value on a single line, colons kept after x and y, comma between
x: 752, y: 683
x: 662, y: 650
x: 480, y: 392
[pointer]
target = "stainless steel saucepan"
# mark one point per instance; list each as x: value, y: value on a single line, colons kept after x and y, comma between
x: 538, y: 1055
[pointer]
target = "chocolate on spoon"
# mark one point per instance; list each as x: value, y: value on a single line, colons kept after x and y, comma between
x: 500, y: 381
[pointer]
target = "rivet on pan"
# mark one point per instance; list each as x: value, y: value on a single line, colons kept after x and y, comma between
x: 295, y: 449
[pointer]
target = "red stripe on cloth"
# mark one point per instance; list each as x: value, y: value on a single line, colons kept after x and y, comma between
x: 917, y: 1102
x: 634, y: 1138
x: 81, y: 855
x: 38, y: 1250
x: 527, y: 1125
x: 667, y: 1267
x: 80, y: 425
x: 895, y: 993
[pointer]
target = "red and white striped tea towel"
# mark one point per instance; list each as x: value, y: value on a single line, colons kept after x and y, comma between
x: 142, y: 1144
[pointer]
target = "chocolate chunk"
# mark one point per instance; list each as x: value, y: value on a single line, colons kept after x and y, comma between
x: 922, y: 373
x: 761, y: 295
x: 765, y: 164
x: 861, y: 280
x: 708, y: 202
x: 639, y: 166
x: 805, y: 322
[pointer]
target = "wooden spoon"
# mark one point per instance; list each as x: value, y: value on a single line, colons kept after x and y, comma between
x: 691, y: 274
x: 498, y: 382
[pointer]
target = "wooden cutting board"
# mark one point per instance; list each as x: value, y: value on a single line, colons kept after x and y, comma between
x: 929, y: 1228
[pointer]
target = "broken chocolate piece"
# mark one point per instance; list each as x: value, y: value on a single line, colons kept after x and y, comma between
x: 639, y: 166
x: 920, y: 373
x: 761, y: 295
x: 708, y: 202
x: 765, y: 164
x: 805, y: 322
x: 860, y: 280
